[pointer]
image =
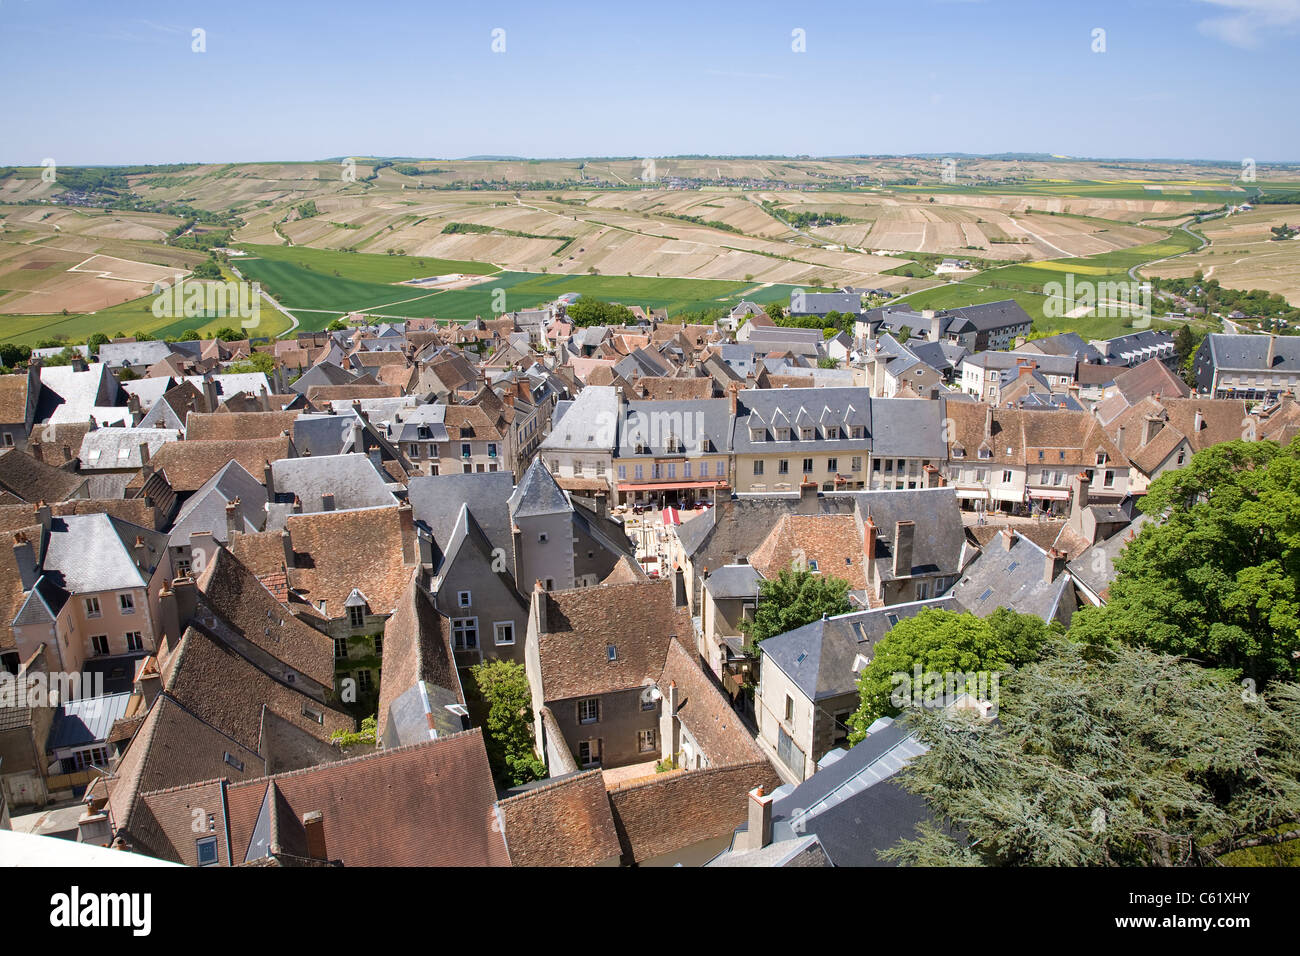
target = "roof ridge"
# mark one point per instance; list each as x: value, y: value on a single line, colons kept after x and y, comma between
x: 553, y: 785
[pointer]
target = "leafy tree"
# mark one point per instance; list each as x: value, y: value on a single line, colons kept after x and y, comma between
x: 944, y: 642
x: 190, y: 335
x: 125, y: 374
x: 774, y: 311
x: 11, y: 355
x: 1218, y: 578
x: 228, y: 334
x: 207, y: 269
x: 591, y: 311
x: 257, y: 362
x: 1108, y: 757
x: 338, y: 325
x: 503, y: 687
x: 793, y: 598
x: 95, y: 341
x: 827, y: 363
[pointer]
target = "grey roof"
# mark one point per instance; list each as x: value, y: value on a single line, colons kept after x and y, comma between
x: 942, y: 356
x: 1250, y: 352
x: 907, y: 428
x: 422, y: 712
x: 1047, y: 364
x: 819, y: 303
x: 114, y: 448
x: 733, y: 581
x: 855, y: 805
x: 43, y: 602
x: 820, y: 658
x: 987, y: 317
x: 133, y: 353
x: 85, y: 722
x: 424, y: 423
x: 323, y: 373
x: 1094, y: 569
x: 71, y: 396
x: 436, y: 501
x: 352, y: 479
x: 1012, y: 579
x: 538, y: 494
x: 799, y: 852
x: 1137, y: 347
x: 939, y: 542
x: 1068, y: 343
x: 589, y: 424
x: 847, y: 406
x: 205, y: 510
x: 702, y: 426
x: 86, y: 553
x: 315, y: 435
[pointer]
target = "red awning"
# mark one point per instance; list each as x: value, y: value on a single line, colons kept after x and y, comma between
x: 667, y: 485
x: 670, y: 516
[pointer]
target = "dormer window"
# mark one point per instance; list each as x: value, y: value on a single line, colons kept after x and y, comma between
x: 857, y: 431
x: 1101, y: 458
x: 958, y: 451
x: 986, y: 453
x: 757, y: 434
x: 808, y: 434
x: 356, y: 616
x: 832, y: 432
x: 783, y: 434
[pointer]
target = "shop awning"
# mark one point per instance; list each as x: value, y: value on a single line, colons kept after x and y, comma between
x: 671, y: 516
x: 1049, y: 494
x: 981, y: 494
x: 667, y: 485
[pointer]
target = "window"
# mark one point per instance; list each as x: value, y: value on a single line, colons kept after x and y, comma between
x: 922, y: 590
x: 464, y: 632
x: 1101, y: 458
x: 622, y: 471
x: 127, y: 603
x: 356, y: 616
x: 648, y: 701
x: 363, y: 680
x: 1109, y: 480
x: 182, y: 567
x: 589, y: 711
x: 492, y: 449
x: 611, y: 652
x: 464, y: 449
x: 721, y: 471
x: 640, y: 471
x: 207, y: 850
x: 645, y: 741
x: 789, y: 708
x: 807, y: 466
x: 234, y: 761
x: 783, y: 466
x: 1006, y: 476
x: 686, y: 469
x: 832, y: 464
x: 467, y: 468
x: 134, y: 642
x: 464, y: 598
x: 857, y: 464
x: 92, y: 607
x: 92, y: 757
x: 589, y: 752
x: 875, y: 464
x: 379, y: 645
x: 503, y: 632
x: 672, y: 469
x: 100, y: 643
x: 542, y: 538
x: 758, y: 467
x: 550, y: 584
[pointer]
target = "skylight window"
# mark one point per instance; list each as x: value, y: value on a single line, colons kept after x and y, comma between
x: 987, y: 593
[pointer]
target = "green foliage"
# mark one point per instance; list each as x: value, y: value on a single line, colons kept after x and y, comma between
x: 943, y: 642
x: 257, y: 362
x: 95, y: 341
x: 1109, y: 757
x: 190, y: 335
x: 207, y: 269
x: 338, y: 325
x: 228, y: 334
x: 307, y: 209
x: 11, y: 355
x: 1218, y: 579
x: 366, y: 735
x: 591, y: 311
x: 503, y: 688
x: 793, y: 598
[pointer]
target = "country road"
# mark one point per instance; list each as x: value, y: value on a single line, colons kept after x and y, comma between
x: 293, y: 320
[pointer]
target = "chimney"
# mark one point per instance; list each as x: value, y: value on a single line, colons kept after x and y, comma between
x: 758, y: 832
x: 733, y: 398
x: 1008, y: 539
x: 807, y: 497
x: 187, y: 599
x: 670, y: 727
x: 406, y: 519
x: 25, y: 558
x: 35, y: 449
x: 1081, y: 483
x: 210, y: 394
x: 424, y: 540
x: 988, y: 421
x: 144, y: 454
x: 1026, y: 368
x: 602, y: 503
x: 935, y: 325
x: 266, y: 399
x: 1196, y: 424
x: 358, y: 437
x: 376, y: 458
x: 268, y: 477
x: 869, y: 536
x: 1272, y: 349
x: 287, y: 542
x: 1053, y: 565
x: 904, y: 537
x: 133, y: 407
x: 79, y: 363
x: 313, y: 826
x: 43, y: 515
x: 234, y: 524
x: 148, y: 680
x: 327, y: 501
x: 67, y: 450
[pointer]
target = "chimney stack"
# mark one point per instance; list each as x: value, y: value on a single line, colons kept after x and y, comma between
x: 1198, y: 422
x: 904, y: 538
x: 268, y: 478
x: 935, y: 325
x: 144, y: 453
x: 327, y: 501
x: 733, y: 398
x: 807, y: 497
x: 539, y: 606
x: 1053, y: 565
x: 758, y: 832
x: 25, y: 558
x: 1008, y: 539
x: 234, y: 524
x: 288, y: 549
x: 602, y: 503
x: 1081, y: 483
x: 406, y: 518
x: 313, y: 825
x: 988, y: 421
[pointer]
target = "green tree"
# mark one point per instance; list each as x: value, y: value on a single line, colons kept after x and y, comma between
x: 943, y: 642
x: 793, y: 598
x: 95, y: 341
x: 11, y: 355
x: 228, y: 334
x: 1108, y: 757
x: 190, y: 335
x: 591, y: 311
x: 257, y: 362
x: 503, y: 687
x: 774, y: 311
x: 1217, y: 577
x: 338, y: 325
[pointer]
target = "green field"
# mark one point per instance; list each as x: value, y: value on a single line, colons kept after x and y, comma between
x: 1024, y: 283
x: 1213, y: 193
x: 318, y: 286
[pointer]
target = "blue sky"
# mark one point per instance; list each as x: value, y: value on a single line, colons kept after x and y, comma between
x: 118, y: 82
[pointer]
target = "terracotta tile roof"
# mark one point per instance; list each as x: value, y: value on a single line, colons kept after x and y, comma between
x: 417, y: 647
x: 135, y: 510
x: 188, y: 464
x: 705, y: 713
x: 245, y: 603
x: 12, y: 594
x: 666, y: 389
x: 1152, y: 377
x: 473, y: 422
x: 232, y: 426
x: 582, y: 623
x: 567, y: 823
x: 678, y: 810
x: 13, y: 398
x: 401, y: 376
x: 832, y: 541
x: 1018, y: 435
x: 337, y: 551
x: 427, y: 804
x: 321, y: 395
x: 32, y: 480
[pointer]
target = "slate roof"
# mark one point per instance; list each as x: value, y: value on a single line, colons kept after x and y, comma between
x: 538, y: 494
x: 113, y: 448
x: 436, y: 502
x: 86, y: 722
x: 819, y: 658
x: 1012, y: 579
x: 96, y: 552
x: 417, y: 658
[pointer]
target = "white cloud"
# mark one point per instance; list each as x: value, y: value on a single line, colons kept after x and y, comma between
x: 1247, y: 23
